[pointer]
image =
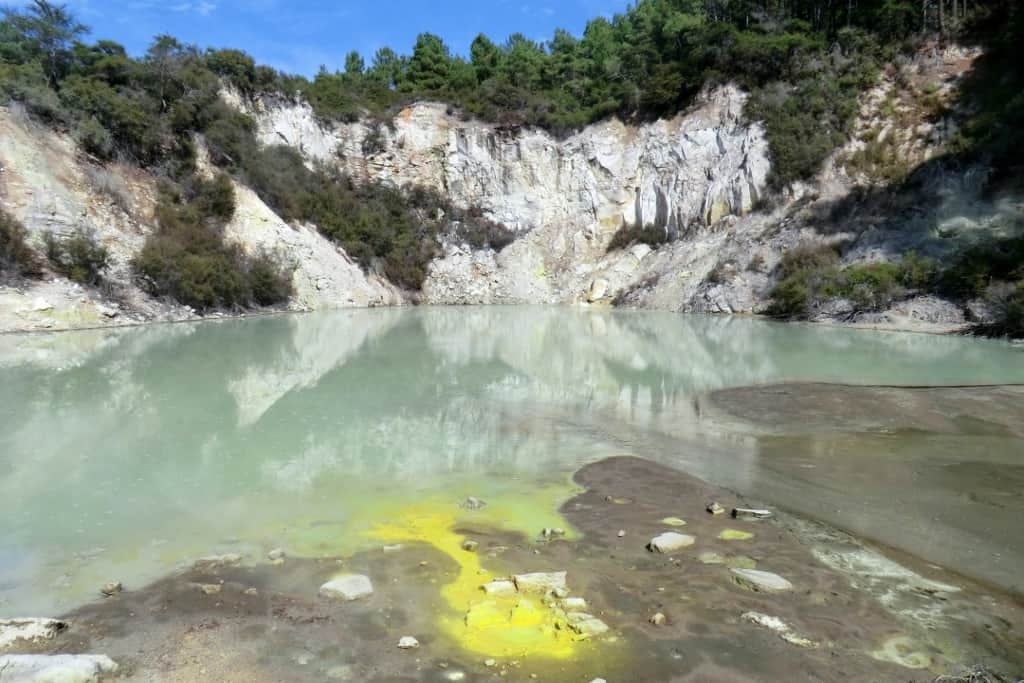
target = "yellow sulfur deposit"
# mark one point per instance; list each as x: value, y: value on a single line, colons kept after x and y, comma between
x: 497, y: 625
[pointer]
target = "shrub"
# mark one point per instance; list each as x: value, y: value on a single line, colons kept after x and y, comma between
x: 809, y: 276
x: 15, y: 254
x: 80, y: 257
x: 756, y: 264
x: 629, y: 235
x: 188, y: 260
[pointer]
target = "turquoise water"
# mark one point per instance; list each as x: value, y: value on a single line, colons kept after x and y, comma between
x: 126, y: 453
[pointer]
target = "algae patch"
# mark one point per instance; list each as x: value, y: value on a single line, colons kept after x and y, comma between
x: 735, y: 535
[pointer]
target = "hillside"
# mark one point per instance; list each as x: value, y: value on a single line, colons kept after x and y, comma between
x: 857, y: 175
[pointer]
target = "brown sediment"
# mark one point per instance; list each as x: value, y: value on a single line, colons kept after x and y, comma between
x: 934, y: 472
x: 171, y: 631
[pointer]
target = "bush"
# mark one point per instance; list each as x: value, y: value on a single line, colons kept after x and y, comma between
x: 80, y: 257
x: 628, y: 235
x: 188, y: 260
x: 15, y: 254
x: 809, y: 276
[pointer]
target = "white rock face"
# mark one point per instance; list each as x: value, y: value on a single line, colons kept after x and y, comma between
x: 670, y: 541
x: 565, y: 198
x: 347, y: 587
x: 55, y: 668
x: 29, y: 630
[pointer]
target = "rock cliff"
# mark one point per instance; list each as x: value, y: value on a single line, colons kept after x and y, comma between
x: 565, y: 199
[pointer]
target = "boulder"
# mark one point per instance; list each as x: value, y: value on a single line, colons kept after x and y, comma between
x: 760, y: 581
x: 670, y: 542
x: 347, y: 587
x: 29, y: 630
x: 55, y: 668
x: 598, y: 290
x: 541, y: 583
x: 276, y: 555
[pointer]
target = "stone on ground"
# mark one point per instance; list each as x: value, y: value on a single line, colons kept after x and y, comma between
x: 542, y: 583
x: 715, y: 508
x: 29, y: 630
x: 760, y: 581
x: 347, y: 587
x: 55, y: 668
x: 499, y: 587
x: 585, y: 625
x: 670, y: 542
x: 408, y: 643
x: 751, y: 515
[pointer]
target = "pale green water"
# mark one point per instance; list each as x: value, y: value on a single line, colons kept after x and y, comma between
x: 124, y: 454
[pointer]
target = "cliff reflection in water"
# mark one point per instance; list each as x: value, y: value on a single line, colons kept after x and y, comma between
x: 209, y: 428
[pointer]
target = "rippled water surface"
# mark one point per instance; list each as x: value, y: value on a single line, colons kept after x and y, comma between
x: 126, y: 453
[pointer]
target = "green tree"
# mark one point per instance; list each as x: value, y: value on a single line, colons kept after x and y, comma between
x: 354, y: 64
x: 46, y: 32
x: 429, y: 67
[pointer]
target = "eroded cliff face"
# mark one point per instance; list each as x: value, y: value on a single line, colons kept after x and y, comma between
x: 51, y: 187
x: 565, y: 199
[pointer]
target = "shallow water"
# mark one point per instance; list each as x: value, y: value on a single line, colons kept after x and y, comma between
x: 125, y: 454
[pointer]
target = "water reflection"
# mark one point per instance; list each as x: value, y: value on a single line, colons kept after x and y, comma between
x: 133, y: 440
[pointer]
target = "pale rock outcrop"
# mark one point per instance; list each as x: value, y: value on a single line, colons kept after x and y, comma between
x: 564, y: 198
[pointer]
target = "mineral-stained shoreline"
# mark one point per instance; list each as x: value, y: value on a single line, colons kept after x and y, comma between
x: 694, y: 614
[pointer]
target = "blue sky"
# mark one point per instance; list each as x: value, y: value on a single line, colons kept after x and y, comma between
x: 300, y: 35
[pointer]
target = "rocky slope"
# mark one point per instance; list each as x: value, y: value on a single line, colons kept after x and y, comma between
x: 702, y: 177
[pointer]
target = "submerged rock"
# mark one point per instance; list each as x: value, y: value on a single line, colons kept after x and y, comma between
x: 474, y: 503
x: 408, y: 643
x: 217, y: 561
x: 658, y: 619
x: 670, y: 542
x: 29, y: 630
x: 276, y: 555
x: 55, y: 668
x: 542, y: 583
x: 715, y: 508
x: 673, y: 521
x: 760, y: 581
x: 347, y: 587
x: 470, y: 546
x: 112, y: 588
